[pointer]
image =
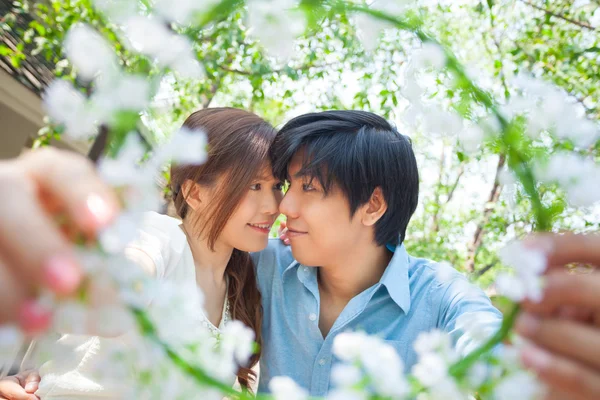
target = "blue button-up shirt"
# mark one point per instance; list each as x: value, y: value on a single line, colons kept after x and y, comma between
x: 412, y: 297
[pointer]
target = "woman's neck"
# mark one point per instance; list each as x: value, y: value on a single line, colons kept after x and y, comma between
x: 210, y: 264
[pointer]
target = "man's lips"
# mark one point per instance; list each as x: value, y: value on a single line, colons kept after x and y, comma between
x: 291, y: 233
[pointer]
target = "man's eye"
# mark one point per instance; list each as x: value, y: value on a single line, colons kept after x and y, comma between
x: 307, y: 187
x: 278, y: 186
x: 255, y: 186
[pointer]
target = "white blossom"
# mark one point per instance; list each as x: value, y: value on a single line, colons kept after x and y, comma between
x: 380, y: 361
x: 521, y: 385
x: 476, y: 328
x: 528, y: 265
x: 182, y: 11
x: 477, y: 374
x: 188, y: 146
x: 284, y: 388
x: 345, y: 375
x: 431, y: 370
x: 122, y: 231
x: 123, y: 92
x: 276, y: 25
x: 347, y: 394
x: 575, y: 174
x: 238, y: 339
x: 471, y: 138
x: 89, y: 52
x: 150, y: 36
x: 68, y: 106
x: 433, y: 341
x: 430, y: 55
x: 595, y: 19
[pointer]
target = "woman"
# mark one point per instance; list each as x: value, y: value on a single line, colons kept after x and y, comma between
x: 227, y: 207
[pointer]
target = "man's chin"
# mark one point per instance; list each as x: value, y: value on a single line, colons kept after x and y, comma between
x: 303, y: 258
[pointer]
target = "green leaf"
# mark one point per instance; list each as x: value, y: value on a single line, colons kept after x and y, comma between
x: 5, y: 50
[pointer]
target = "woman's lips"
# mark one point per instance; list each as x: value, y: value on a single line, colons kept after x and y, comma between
x: 263, y: 227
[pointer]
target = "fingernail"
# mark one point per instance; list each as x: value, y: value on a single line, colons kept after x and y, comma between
x: 62, y: 274
x: 99, y: 210
x: 542, y: 243
x: 31, y: 387
x: 33, y: 317
x: 527, y: 324
x: 536, y: 358
x: 286, y: 241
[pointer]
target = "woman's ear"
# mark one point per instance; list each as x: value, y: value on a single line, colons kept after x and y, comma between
x: 375, y: 208
x: 192, y: 194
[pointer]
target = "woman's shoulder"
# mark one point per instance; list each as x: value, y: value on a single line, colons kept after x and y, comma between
x: 161, y: 238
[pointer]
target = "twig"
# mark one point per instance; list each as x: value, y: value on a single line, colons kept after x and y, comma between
x: 560, y: 16
x: 99, y: 144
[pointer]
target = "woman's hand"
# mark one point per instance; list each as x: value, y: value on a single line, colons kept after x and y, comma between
x: 564, y: 327
x: 282, y: 231
x: 20, y: 387
x: 41, y: 191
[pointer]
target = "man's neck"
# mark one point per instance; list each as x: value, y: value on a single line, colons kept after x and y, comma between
x: 353, y: 273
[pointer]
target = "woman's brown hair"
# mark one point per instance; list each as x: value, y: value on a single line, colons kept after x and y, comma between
x: 238, y: 147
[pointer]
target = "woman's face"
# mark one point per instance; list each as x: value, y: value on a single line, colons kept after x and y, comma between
x: 248, y: 227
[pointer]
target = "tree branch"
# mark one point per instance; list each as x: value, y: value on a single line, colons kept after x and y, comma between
x: 483, y: 270
x: 560, y: 16
x: 489, y: 207
x: 435, y: 223
x: 455, y: 185
x: 277, y: 71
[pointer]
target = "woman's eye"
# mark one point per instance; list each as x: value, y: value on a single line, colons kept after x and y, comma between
x: 278, y: 186
x: 255, y: 186
x: 307, y: 187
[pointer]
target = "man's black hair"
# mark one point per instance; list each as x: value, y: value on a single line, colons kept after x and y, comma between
x: 356, y: 151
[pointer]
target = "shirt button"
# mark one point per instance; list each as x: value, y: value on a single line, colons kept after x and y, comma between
x: 312, y: 317
x: 322, y: 362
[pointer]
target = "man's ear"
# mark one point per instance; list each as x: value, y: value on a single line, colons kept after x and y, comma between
x: 375, y: 208
x: 193, y: 194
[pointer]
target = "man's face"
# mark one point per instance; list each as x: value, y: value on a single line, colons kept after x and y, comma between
x: 320, y: 228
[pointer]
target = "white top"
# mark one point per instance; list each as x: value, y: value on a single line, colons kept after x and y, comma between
x: 160, y: 238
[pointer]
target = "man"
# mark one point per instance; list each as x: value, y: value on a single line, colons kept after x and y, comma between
x: 353, y: 187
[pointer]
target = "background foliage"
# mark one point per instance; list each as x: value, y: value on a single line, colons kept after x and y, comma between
x: 467, y: 210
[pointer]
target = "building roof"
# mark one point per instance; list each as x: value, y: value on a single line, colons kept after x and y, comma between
x: 34, y: 72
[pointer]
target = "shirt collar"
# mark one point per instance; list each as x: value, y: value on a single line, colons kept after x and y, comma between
x: 395, y: 278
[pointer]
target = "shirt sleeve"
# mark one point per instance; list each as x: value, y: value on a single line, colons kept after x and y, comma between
x: 467, y: 314
x: 150, y: 244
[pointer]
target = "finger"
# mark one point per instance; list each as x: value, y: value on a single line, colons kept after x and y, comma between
x: 32, y: 382
x: 13, y: 391
x: 571, y: 339
x: 282, y: 228
x: 562, y: 249
x: 72, y: 181
x: 575, y: 313
x: 30, y: 243
x: 563, y: 289
x: 12, y: 294
x: 562, y: 374
x: 559, y: 395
